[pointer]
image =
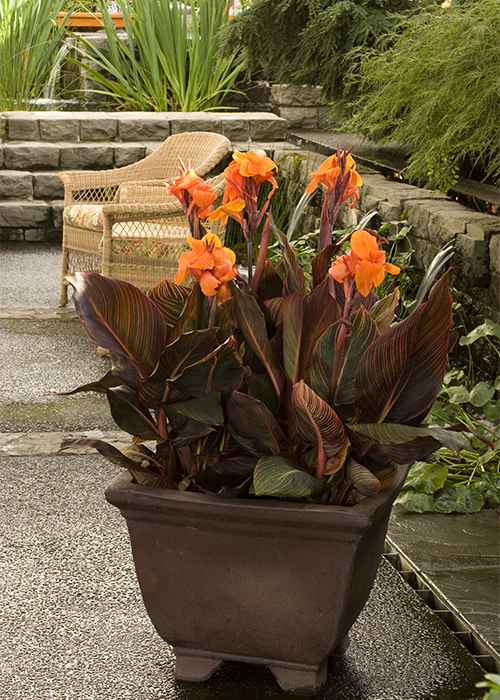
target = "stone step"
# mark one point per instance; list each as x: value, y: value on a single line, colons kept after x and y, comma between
x: 33, y: 156
x: 23, y: 184
x: 31, y: 220
x: 54, y: 127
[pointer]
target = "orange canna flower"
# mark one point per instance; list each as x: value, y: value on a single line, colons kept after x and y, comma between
x: 245, y: 166
x: 210, y: 263
x: 365, y: 263
x: 233, y: 208
x: 328, y: 174
x: 192, y: 191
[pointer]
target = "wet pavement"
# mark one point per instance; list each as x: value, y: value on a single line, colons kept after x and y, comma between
x: 73, y: 623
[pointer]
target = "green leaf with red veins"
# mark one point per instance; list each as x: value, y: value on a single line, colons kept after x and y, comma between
x: 188, y: 349
x: 251, y: 419
x: 401, y: 373
x: 293, y: 313
x: 280, y: 476
x: 170, y: 298
x: 117, y: 316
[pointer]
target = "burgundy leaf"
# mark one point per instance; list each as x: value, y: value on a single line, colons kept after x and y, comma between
x: 251, y: 419
x: 401, y: 374
x: 170, y: 298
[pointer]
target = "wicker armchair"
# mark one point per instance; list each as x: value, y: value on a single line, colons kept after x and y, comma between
x: 124, y: 224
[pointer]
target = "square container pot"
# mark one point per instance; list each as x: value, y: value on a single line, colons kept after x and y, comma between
x: 259, y: 581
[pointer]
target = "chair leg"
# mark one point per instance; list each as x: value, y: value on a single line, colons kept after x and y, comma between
x: 63, y: 297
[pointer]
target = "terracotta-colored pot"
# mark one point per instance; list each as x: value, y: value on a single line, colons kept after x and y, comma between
x: 90, y: 19
x: 258, y: 581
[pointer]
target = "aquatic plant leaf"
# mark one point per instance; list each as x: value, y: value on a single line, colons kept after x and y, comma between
x: 458, y: 499
x: 427, y: 478
x: 109, y: 309
x: 415, y: 501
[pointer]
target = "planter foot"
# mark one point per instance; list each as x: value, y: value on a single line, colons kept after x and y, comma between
x: 195, y: 668
x: 342, y: 647
x: 300, y: 681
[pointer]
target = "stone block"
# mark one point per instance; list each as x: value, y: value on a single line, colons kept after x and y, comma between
x: 128, y: 153
x: 471, y: 261
x: 2, y: 156
x: 266, y: 127
x: 57, y: 210
x: 495, y: 256
x: 299, y: 117
x: 376, y: 186
x: 479, y: 223
x: 419, y: 214
x: 28, y: 156
x: 235, y: 128
x: 195, y: 121
x: 424, y: 251
x: 99, y: 129
x: 399, y: 193
x: 35, y: 235
x: 19, y: 214
x: 47, y: 186
x: 22, y: 126
x: 15, y: 184
x: 11, y: 234
x: 86, y: 156
x: 58, y: 129
x: 389, y: 212
x: 147, y: 127
x: 296, y: 95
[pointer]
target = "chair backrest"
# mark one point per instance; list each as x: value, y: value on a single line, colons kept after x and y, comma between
x: 202, y: 149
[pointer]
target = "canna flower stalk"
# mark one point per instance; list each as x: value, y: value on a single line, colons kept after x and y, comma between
x: 245, y: 176
x: 338, y: 174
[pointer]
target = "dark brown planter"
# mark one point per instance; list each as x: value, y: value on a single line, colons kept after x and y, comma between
x: 264, y: 582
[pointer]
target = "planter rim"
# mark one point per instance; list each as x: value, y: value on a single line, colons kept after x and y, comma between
x: 121, y: 492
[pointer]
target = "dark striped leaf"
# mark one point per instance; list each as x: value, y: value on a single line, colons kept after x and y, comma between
x: 170, y: 298
x: 363, y: 480
x: 193, y: 315
x: 323, y: 362
x: 293, y: 312
x: 205, y: 409
x: 222, y: 370
x: 99, y: 386
x: 293, y: 275
x: 401, y: 373
x: 321, y: 262
x: 270, y: 284
x: 318, y: 425
x: 280, y: 476
x: 362, y: 334
x: 117, y: 316
x: 186, y: 350
x: 253, y: 326
x: 383, y: 310
x: 191, y: 431
x: 143, y: 476
x: 130, y: 414
x: 251, y: 418
x: 242, y: 465
x: 320, y: 311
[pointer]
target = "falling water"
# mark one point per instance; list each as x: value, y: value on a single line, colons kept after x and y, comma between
x: 438, y: 261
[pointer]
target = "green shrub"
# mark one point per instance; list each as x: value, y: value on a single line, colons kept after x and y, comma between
x: 30, y: 45
x: 168, y: 60
x: 306, y: 41
x: 436, y: 90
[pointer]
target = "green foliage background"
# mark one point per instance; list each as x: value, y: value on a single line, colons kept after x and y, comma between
x: 433, y: 86
x: 306, y: 41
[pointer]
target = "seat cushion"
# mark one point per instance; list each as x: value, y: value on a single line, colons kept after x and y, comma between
x: 87, y: 216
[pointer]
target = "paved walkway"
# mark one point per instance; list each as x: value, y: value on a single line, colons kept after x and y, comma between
x: 73, y: 622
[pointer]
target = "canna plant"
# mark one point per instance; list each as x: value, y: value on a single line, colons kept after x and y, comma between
x: 268, y: 386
